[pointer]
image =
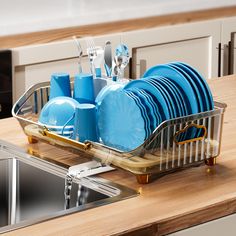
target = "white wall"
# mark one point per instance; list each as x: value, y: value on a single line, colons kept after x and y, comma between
x: 21, y: 16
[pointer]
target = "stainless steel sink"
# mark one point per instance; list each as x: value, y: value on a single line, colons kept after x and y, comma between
x: 33, y: 190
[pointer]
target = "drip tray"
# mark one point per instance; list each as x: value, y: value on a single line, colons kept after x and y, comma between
x: 33, y: 190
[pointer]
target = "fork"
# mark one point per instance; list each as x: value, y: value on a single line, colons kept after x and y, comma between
x: 92, y: 53
x: 96, y: 57
x: 80, y: 51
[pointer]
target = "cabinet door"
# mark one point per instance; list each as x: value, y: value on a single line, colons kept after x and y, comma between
x: 28, y: 75
x: 35, y: 64
x: 193, y: 43
x: 194, y: 52
x: 219, y: 227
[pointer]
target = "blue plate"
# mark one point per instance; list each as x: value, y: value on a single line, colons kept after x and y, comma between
x: 201, y: 84
x: 154, y: 92
x: 143, y: 111
x: 155, y: 110
x: 193, y: 84
x: 106, y: 90
x: 120, y: 122
x: 178, y: 96
x: 175, y: 76
x: 181, y: 105
x: 189, y: 134
x: 149, y: 130
x: 174, y: 96
x: 148, y: 106
x: 165, y: 94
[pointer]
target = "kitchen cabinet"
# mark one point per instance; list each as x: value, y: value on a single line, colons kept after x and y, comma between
x: 206, y: 45
x: 216, y: 227
x: 28, y: 75
x: 31, y: 74
x: 35, y: 64
x: 194, y: 43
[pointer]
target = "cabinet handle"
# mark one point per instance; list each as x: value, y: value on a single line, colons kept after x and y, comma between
x: 229, y: 58
x: 219, y: 60
x: 232, y: 53
x: 131, y: 68
x: 225, y: 60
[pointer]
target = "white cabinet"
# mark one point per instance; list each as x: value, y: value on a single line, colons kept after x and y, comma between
x: 28, y: 75
x: 193, y: 43
x: 219, y: 227
x: 204, y: 45
x: 193, y: 51
x: 35, y: 64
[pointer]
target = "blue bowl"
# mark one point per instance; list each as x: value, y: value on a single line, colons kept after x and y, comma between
x: 58, y: 115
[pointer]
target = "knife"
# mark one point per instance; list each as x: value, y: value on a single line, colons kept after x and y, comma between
x: 108, y: 58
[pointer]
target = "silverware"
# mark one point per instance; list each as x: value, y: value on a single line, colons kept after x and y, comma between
x: 80, y: 52
x: 122, y: 59
x: 108, y: 58
x: 98, y: 60
x: 96, y: 56
x: 116, y: 67
x: 92, y: 53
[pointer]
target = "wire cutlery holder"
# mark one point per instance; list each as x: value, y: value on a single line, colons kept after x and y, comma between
x: 163, y: 152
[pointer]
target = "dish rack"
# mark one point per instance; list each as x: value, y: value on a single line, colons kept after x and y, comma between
x: 160, y: 154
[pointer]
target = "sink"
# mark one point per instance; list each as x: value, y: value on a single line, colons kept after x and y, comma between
x: 33, y: 190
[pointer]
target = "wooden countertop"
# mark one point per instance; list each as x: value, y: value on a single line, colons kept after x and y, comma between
x: 114, y: 27
x: 171, y: 203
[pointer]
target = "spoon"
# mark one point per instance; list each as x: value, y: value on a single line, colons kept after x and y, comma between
x: 122, y: 58
x: 80, y: 52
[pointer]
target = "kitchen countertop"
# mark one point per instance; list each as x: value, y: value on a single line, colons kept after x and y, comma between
x: 171, y: 203
x: 29, y: 16
x: 168, y: 13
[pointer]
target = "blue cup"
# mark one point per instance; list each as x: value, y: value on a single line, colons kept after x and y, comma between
x: 99, y: 84
x: 60, y: 85
x: 84, y: 88
x: 85, y: 125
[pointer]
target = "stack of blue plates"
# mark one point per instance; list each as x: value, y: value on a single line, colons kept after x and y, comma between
x: 127, y: 116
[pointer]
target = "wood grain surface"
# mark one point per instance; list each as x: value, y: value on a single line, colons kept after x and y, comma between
x: 171, y: 203
x: 113, y: 27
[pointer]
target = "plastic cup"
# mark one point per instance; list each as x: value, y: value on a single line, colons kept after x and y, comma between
x: 85, y: 125
x: 60, y: 85
x: 99, y: 84
x: 84, y: 88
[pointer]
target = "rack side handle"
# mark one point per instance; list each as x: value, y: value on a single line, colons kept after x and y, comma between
x: 71, y: 142
x: 193, y: 139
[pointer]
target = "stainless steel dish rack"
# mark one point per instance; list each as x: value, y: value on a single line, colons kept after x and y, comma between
x: 160, y: 154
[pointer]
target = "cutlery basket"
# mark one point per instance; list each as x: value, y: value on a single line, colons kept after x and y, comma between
x: 160, y: 154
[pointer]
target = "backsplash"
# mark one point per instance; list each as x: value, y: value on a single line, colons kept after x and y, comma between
x: 30, y: 16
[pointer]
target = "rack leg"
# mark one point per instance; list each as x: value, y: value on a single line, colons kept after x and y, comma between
x: 32, y: 140
x: 143, y: 179
x: 211, y: 161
